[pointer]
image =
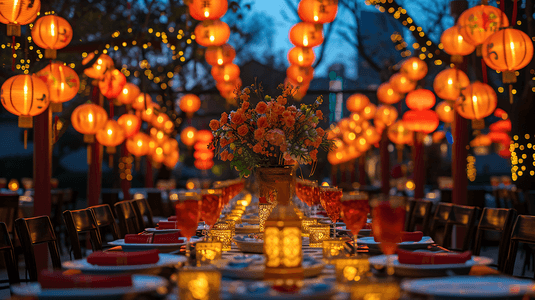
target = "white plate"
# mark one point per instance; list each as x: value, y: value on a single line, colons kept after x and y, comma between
x: 155, y: 230
x: 140, y: 284
x: 373, y: 245
x: 428, y: 270
x: 312, y: 267
x: 85, y: 267
x: 261, y: 290
x: 164, y: 248
x: 470, y: 287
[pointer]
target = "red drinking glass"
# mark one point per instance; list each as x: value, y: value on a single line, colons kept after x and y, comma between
x: 188, y: 212
x: 355, y: 209
x: 211, y: 206
x: 330, y: 200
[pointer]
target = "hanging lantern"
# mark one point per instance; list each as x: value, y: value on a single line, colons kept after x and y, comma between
x: 356, y: 117
x: 203, y: 155
x: 63, y: 84
x: 229, y: 86
x: 500, y: 113
x: 425, y: 121
x: 504, y: 151
x: 203, y: 164
x: 356, y: 102
x: 454, y: 43
x: 361, y: 144
x: 445, y: 111
x: 150, y: 112
x: 187, y: 136
x: 201, y: 145
x: 111, y: 135
x: 300, y: 74
x: 501, y: 126
x: 306, y: 34
x: 88, y: 119
x: 449, y: 83
x: 301, y: 56
x: 51, y: 33
x: 420, y: 99
x: 228, y: 72
x: 220, y: 55
x: 113, y: 84
x: 139, y: 101
x: 157, y: 155
x: 499, y: 137
x: 386, y: 115
x: 16, y: 13
x: 158, y: 121
x: 171, y: 159
x: 369, y: 111
x: 481, y: 140
x: 202, y: 10
x: 297, y: 89
x: 477, y: 101
x: 479, y: 22
x: 317, y: 11
x: 128, y: 94
x: 399, y: 133
x: 349, y: 136
x: 158, y: 136
x: 371, y: 135
x: 130, y: 124
x: 190, y: 103
x: 138, y: 144
x: 169, y: 145
x: 387, y: 95
x: 414, y: 68
x: 204, y: 136
x: 438, y: 136
x: 103, y: 64
x: 212, y: 33
x: 335, y: 157
x: 401, y: 83
x: 168, y: 126
x: 230, y: 96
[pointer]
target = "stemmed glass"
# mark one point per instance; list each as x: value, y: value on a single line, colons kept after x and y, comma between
x: 355, y: 209
x: 305, y: 190
x: 330, y: 200
x: 188, y: 212
x: 211, y: 206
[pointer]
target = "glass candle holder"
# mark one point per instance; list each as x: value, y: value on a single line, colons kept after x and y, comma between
x: 333, y: 248
x: 207, y: 252
x: 264, y: 210
x: 199, y: 284
x: 232, y: 226
x: 305, y: 223
x: 376, y: 289
x: 318, y: 233
x: 351, y: 269
x: 235, y: 217
x: 224, y: 236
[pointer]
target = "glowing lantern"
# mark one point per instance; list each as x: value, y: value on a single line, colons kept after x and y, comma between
x: 190, y: 103
x: 454, y: 43
x: 159, y: 136
x: 111, y: 136
x: 169, y: 145
x: 371, y: 135
x: 207, y: 9
x: 414, y: 68
x: 357, y: 102
x: 349, y: 137
x: 479, y: 22
x: 128, y: 94
x: 317, y: 11
x: 203, y: 164
x: 187, y: 136
x: 401, y: 83
x: 168, y: 126
x: 501, y: 126
x: 508, y: 50
x: 356, y: 117
x: 425, y: 121
x: 13, y: 185
x: 386, y: 115
x: 335, y: 157
x: 157, y: 155
x: 438, y: 136
x: 369, y: 111
x: 481, y: 141
x: 201, y: 145
x: 398, y: 133
x: 387, y: 95
x: 301, y: 56
x: 16, y: 13
x: 449, y: 83
x: 500, y: 113
x: 203, y: 155
x: 300, y: 74
x: 63, y: 83
x: 171, y: 159
x: 212, y: 33
x: 361, y: 144
x: 103, y: 64
x: 130, y: 124
x: 228, y: 72
x: 112, y: 85
x: 477, y: 101
x: 420, y: 99
x: 148, y: 114
x: 220, y: 55
x: 138, y: 144
x: 445, y: 111
x: 504, y: 152
x: 51, y: 33
x: 158, y: 121
x: 305, y: 34
x: 204, y: 136
x: 88, y: 119
x: 228, y: 86
x: 139, y: 101
x: 499, y: 137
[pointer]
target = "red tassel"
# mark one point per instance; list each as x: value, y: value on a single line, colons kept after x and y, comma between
x: 515, y: 11
x: 111, y: 110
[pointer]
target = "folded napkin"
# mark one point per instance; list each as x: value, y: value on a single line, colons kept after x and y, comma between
x: 167, y: 225
x: 167, y: 238
x: 172, y: 218
x: 123, y: 258
x: 58, y: 280
x: 407, y: 236
x: 432, y: 258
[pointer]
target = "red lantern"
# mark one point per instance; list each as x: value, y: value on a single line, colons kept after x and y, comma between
x: 401, y: 83
x: 128, y: 94
x: 508, y: 50
x: 371, y: 135
x: 203, y: 155
x: 190, y: 103
x: 207, y: 9
x: 501, y: 126
x: 479, y: 22
x: 171, y: 159
x: 369, y: 110
x: 298, y: 90
x: 425, y: 121
x: 504, y: 152
x: 398, y: 133
x: 306, y: 35
x: 438, y: 136
x: 300, y: 74
x: 477, y: 101
x: 454, y: 43
x: 387, y: 95
x: 158, y: 121
x: 51, y: 32
x: 16, y: 13
x: 499, y: 137
x: 481, y: 140
x: 63, y: 83
x: 386, y: 115
x: 414, y: 68
x: 187, y: 136
x: 445, y: 111
x: 317, y: 11
x: 168, y: 126
x: 420, y: 99
x: 203, y: 164
x: 228, y: 86
x: 228, y: 72
x: 139, y: 101
x: 301, y: 56
x: 500, y: 113
x: 103, y: 64
x: 88, y: 119
x: 361, y: 145
x: 212, y: 33
x: 138, y: 144
x: 220, y: 55
x: 111, y: 135
x: 449, y: 83
x: 113, y: 84
x: 204, y: 136
x: 158, y: 155
x: 130, y: 124
x: 150, y: 112
x: 357, y: 102
x: 169, y: 145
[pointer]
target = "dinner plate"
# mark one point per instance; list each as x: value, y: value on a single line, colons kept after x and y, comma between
x: 140, y: 284
x: 428, y: 270
x: 164, y: 248
x: 247, y: 228
x: 248, y: 244
x: 373, y: 245
x: 261, y: 290
x: 470, y: 287
x: 85, y: 267
x: 170, y: 230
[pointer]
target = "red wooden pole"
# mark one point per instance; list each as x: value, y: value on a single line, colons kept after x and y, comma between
x: 125, y: 183
x: 362, y: 170
x: 148, y: 173
x: 419, y: 166
x: 385, y: 163
x: 94, y: 180
x: 334, y: 171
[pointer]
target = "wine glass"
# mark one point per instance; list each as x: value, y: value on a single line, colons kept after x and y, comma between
x: 211, y: 206
x: 330, y: 200
x: 388, y: 222
x: 355, y: 209
x: 188, y: 212
x: 304, y: 190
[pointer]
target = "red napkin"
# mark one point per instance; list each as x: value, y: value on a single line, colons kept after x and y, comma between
x: 123, y: 258
x: 172, y: 218
x: 138, y: 238
x: 368, y: 226
x: 57, y: 280
x: 407, y: 236
x: 167, y: 225
x: 167, y: 238
x: 430, y: 258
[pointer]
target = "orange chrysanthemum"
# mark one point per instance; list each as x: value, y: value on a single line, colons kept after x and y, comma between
x: 262, y: 122
x: 261, y: 108
x: 224, y: 119
x: 257, y: 148
x: 319, y: 114
x: 259, y: 133
x: 237, y: 118
x: 214, y: 125
x: 242, y: 130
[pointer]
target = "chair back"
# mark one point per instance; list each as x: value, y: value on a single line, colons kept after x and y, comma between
x: 409, y: 207
x: 9, y: 210
x: 105, y: 221
x: 156, y: 204
x: 82, y: 221
x: 110, y: 197
x: 128, y: 220
x: 522, y: 233
x: 440, y: 220
x: 421, y: 216
x: 462, y: 217
x: 34, y: 231
x: 143, y: 212
x: 6, y: 247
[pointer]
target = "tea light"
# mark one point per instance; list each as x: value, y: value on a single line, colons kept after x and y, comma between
x: 333, y: 248
x: 207, y: 252
x: 224, y: 236
x: 351, y: 269
x: 375, y: 289
x: 199, y: 284
x: 318, y: 233
x: 235, y: 217
x: 264, y: 209
x: 305, y: 223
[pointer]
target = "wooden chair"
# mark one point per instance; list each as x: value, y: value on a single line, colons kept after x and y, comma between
x: 156, y: 204
x: 9, y: 210
x: 82, y: 221
x: 496, y: 220
x: 106, y: 222
x: 6, y: 247
x: 34, y: 231
x: 522, y: 233
x: 440, y: 220
x: 409, y: 208
x: 128, y: 220
x: 143, y: 212
x: 110, y: 197
x: 420, y: 216
x: 462, y: 217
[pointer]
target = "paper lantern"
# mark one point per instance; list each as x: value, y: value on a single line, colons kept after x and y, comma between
x: 51, y: 32
x: 203, y: 155
x: 88, y: 119
x: 148, y: 114
x: 508, y: 50
x: 300, y: 74
x: 399, y: 133
x: 111, y: 135
x: 369, y: 111
x: 159, y: 120
x: 425, y: 121
x: 130, y: 124
x: 361, y: 144
x: 499, y: 137
x: 357, y: 102
x: 201, y: 145
x: 371, y: 135
x: 449, y: 83
x: 401, y: 83
x: 169, y: 145
x: 386, y: 115
x: 212, y: 33
x: 112, y: 85
x: 501, y: 126
x: 103, y: 64
x: 228, y: 86
x: 168, y: 126
x: 479, y: 22
x: 138, y: 144
x: 356, y: 117
x: 187, y: 136
x: 306, y: 34
x: 158, y: 136
x: 454, y: 43
x: 157, y: 155
x: 477, y: 101
x: 504, y: 152
x: 414, y: 68
x: 445, y: 111
x: 16, y: 13
x: 171, y: 159
x: 438, y: 136
x: 203, y: 164
x: 220, y: 55
x: 25, y: 96
x: 228, y: 72
x: 62, y: 81
x: 139, y: 101
x: 202, y: 10
x: 420, y: 99
x: 387, y: 95
x: 500, y: 113
x: 335, y: 157
x: 317, y: 11
x: 481, y: 140
x: 301, y: 56
x: 190, y: 103
x: 349, y: 136
x: 204, y: 136
x: 128, y: 94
